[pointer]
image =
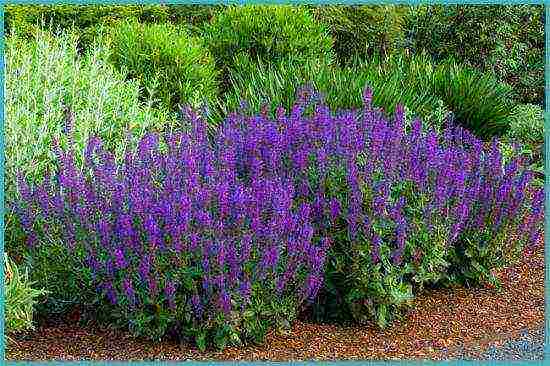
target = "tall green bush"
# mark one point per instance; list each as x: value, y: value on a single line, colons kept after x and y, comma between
x: 164, y: 55
x: 268, y: 33
x: 364, y: 30
x: 505, y: 40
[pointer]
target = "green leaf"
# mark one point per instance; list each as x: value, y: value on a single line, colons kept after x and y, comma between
x: 200, y: 339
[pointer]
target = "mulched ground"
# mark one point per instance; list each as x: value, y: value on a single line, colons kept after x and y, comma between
x: 444, y: 324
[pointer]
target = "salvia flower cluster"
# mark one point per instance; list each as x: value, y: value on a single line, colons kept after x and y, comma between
x: 204, y: 225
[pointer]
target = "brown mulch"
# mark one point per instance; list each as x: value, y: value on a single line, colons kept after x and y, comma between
x: 441, y: 325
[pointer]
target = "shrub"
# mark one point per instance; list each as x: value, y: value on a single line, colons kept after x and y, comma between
x: 267, y: 33
x: 364, y: 30
x: 527, y: 124
x: 164, y: 55
x: 395, y: 210
x: 506, y: 40
x: 194, y: 15
x: 479, y: 102
x: 49, y: 85
x: 27, y: 20
x: 341, y: 88
x: 20, y: 298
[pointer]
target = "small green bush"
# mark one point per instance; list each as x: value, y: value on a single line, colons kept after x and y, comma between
x: 164, y: 55
x: 480, y: 103
x: 505, y: 40
x: 21, y: 298
x: 364, y: 30
x: 527, y: 130
x: 268, y: 33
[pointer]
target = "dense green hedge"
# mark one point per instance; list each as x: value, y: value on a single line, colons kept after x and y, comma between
x: 506, y: 40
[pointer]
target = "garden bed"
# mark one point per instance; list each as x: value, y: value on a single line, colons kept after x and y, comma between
x: 444, y: 324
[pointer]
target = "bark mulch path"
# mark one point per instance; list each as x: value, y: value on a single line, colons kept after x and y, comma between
x: 444, y: 324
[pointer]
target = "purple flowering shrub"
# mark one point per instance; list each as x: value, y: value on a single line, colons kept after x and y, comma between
x: 176, y: 239
x: 403, y: 206
x: 220, y: 237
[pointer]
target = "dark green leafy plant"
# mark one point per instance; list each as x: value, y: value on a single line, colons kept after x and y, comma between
x: 340, y: 87
x: 431, y: 92
x: 505, y: 40
x: 479, y: 102
x: 165, y: 58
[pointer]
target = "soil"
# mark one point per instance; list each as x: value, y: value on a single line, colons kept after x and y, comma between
x: 453, y: 323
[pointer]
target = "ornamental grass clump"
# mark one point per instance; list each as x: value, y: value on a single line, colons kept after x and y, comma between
x: 221, y: 237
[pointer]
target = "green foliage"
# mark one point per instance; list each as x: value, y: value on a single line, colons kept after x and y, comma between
x: 268, y: 33
x: 50, y: 83
x: 364, y: 30
x: 341, y: 88
x: 527, y: 124
x: 527, y: 130
x: 27, y: 20
x: 431, y: 92
x: 193, y: 15
x: 359, y: 290
x: 20, y: 298
x: 505, y: 40
x: 166, y: 56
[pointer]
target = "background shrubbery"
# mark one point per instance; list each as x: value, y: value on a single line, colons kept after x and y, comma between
x: 267, y: 33
x: 166, y: 60
x: 505, y: 40
x: 364, y: 31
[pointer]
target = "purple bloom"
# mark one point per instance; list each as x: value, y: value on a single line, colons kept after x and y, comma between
x: 169, y: 292
x: 129, y: 291
x: 120, y: 259
x: 334, y: 209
